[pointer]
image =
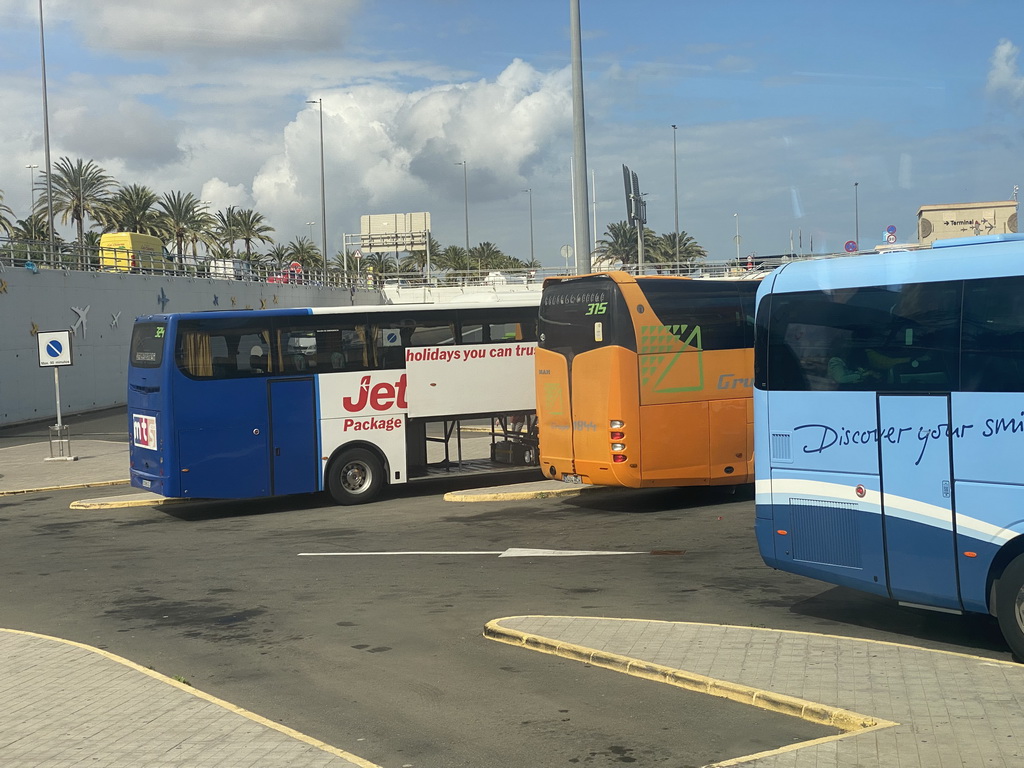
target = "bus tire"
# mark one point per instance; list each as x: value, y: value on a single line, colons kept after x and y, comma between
x: 1010, y: 606
x: 355, y: 477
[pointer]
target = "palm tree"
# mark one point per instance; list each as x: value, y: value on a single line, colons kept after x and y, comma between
x: 278, y: 255
x: 250, y: 226
x: 304, y: 251
x: 454, y: 258
x: 379, y: 264
x: 79, y: 190
x: 416, y: 261
x: 6, y: 224
x: 486, y: 256
x: 133, y: 209
x: 32, y: 227
x: 225, y: 229
x: 344, y: 261
x: 620, y: 244
x: 182, y: 214
x: 662, y: 249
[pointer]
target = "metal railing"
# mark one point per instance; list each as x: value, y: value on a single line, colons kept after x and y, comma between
x: 35, y: 255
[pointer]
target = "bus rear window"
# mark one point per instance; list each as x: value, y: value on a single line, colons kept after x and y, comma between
x: 147, y: 350
x: 585, y: 313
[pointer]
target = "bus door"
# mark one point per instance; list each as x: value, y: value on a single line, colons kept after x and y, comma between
x: 915, y: 441
x: 294, y: 464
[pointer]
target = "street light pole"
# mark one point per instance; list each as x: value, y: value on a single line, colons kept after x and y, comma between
x: 530, y: 192
x: 323, y: 192
x: 856, y: 215
x: 675, y: 185
x: 32, y: 185
x: 310, y: 225
x: 465, y: 186
x: 46, y: 132
x: 738, y: 238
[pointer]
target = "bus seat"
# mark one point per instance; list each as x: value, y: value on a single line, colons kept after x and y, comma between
x: 257, y: 363
x: 298, y: 362
x: 337, y: 361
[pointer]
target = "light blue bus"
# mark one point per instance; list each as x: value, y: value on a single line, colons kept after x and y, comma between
x: 889, y: 425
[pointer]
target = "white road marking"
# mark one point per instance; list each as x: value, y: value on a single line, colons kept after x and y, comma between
x: 512, y: 552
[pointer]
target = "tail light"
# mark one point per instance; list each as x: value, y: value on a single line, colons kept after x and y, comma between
x: 617, y: 436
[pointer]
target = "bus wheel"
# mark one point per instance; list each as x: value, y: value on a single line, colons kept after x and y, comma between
x: 1010, y: 606
x: 356, y: 477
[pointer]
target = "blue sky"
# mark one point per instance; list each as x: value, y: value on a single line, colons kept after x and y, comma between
x: 781, y: 108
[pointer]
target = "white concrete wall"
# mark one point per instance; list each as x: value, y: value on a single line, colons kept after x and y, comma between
x: 108, y: 304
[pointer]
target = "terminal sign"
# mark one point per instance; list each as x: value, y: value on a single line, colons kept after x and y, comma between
x: 54, y: 348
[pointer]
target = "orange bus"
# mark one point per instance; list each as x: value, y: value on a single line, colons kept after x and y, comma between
x: 646, y: 381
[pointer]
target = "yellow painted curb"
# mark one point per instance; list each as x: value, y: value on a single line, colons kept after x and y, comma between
x: 847, y: 721
x: 465, y: 496
x: 290, y: 732
x: 127, y: 501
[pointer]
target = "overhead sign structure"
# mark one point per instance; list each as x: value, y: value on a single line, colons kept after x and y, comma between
x: 54, y: 348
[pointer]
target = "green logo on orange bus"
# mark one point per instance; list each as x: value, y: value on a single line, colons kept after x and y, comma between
x: 659, y: 350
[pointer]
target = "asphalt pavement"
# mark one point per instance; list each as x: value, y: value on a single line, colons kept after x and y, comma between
x: 890, y: 704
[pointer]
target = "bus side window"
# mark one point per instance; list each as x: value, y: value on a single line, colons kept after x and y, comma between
x: 392, y: 340
x: 993, y: 335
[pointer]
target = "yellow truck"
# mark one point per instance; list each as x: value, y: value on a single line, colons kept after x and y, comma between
x: 133, y: 252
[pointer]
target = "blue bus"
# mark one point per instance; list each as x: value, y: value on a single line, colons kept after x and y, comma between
x: 889, y: 425
x: 245, y: 404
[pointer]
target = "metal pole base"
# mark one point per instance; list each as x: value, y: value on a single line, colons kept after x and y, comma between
x: 60, y: 444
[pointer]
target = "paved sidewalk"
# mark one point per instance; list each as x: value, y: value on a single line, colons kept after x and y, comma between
x: 68, y: 704
x: 899, y: 706
x: 28, y: 468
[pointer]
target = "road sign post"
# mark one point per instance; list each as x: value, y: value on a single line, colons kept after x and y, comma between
x: 55, y: 352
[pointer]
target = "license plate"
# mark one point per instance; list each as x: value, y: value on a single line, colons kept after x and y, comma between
x: 572, y: 479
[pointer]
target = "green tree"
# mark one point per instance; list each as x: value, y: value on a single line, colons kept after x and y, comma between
x: 249, y: 227
x: 380, y: 264
x: 225, y: 228
x: 416, y: 261
x: 344, y: 261
x: 183, y: 218
x: 304, y: 251
x: 278, y: 255
x: 662, y: 250
x: 32, y: 227
x: 486, y: 256
x: 133, y: 209
x: 80, y: 189
x: 6, y: 216
x: 619, y: 244
x: 454, y: 258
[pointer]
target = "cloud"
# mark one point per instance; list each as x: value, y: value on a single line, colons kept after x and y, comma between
x: 254, y: 28
x: 391, y: 151
x: 134, y: 133
x: 1004, y: 78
